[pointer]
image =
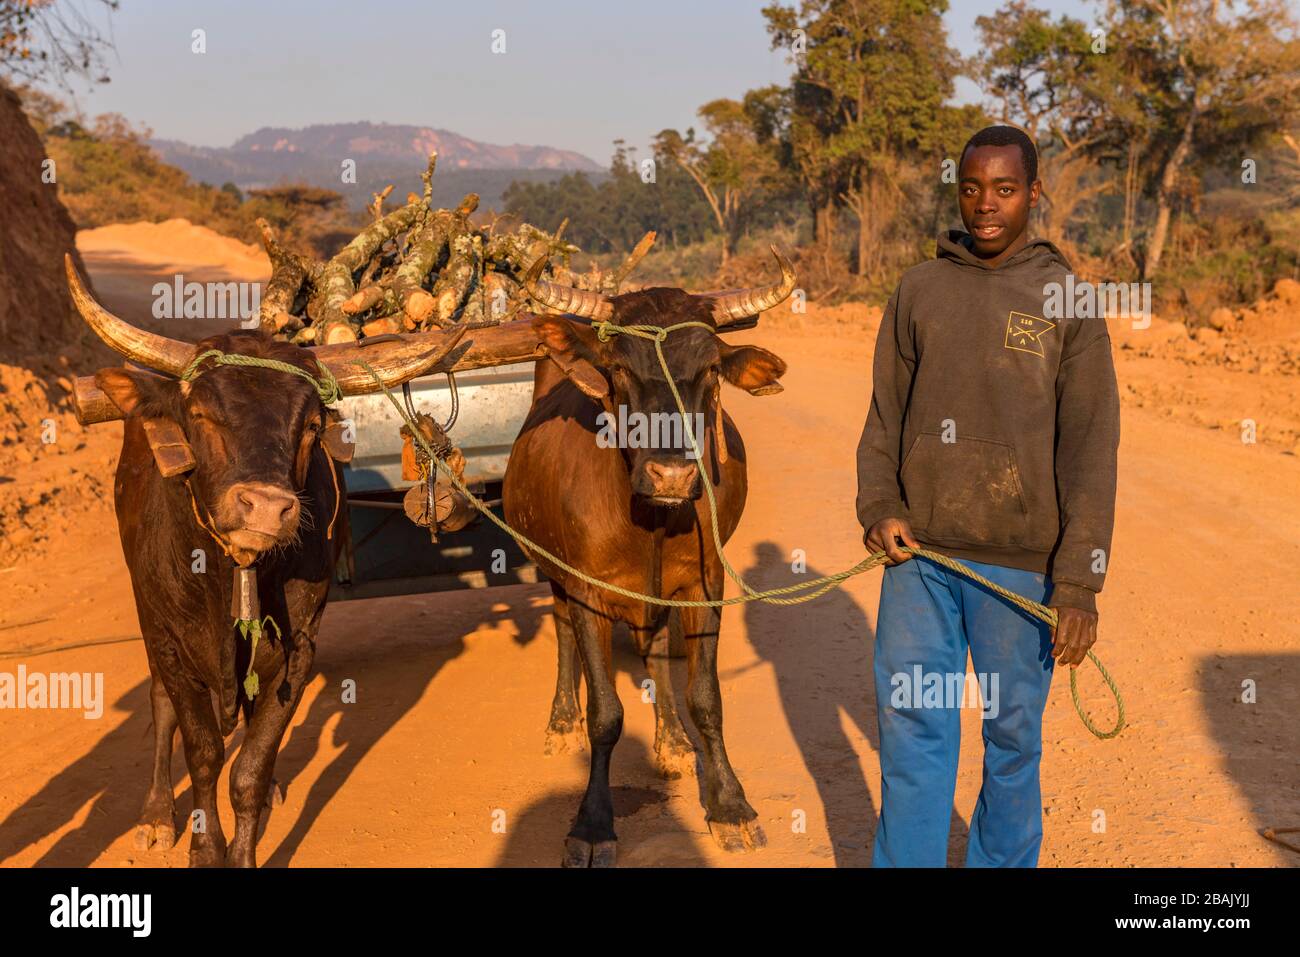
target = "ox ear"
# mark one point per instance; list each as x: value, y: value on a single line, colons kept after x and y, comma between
x: 137, y: 392
x: 569, y: 349
x: 752, y: 368
x: 338, y: 437
x: 153, y: 399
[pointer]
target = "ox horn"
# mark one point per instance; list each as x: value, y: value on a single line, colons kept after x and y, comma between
x: 394, y: 362
x: 731, y: 307
x: 568, y: 299
x: 143, y: 348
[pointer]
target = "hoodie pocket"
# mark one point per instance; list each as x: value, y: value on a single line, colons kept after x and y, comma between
x: 966, y: 492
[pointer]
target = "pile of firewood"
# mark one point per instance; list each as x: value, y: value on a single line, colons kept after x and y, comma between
x: 418, y: 268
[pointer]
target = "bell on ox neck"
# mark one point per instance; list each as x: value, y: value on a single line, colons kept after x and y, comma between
x: 243, y: 601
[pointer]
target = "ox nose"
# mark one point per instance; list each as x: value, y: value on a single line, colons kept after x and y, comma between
x: 673, y: 480
x: 263, y: 509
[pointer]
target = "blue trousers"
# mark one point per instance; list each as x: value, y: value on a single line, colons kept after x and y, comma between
x: 928, y: 619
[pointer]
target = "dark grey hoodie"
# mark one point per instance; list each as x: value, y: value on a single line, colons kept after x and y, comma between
x: 992, y: 430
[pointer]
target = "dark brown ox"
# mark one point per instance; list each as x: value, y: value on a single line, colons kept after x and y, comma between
x: 636, y: 517
x: 263, y: 483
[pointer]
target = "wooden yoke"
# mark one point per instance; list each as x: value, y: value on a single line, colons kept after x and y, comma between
x: 499, y: 345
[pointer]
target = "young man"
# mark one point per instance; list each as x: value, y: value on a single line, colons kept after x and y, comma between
x: 992, y: 439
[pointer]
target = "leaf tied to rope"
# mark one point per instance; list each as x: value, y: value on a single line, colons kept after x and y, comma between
x: 252, y: 629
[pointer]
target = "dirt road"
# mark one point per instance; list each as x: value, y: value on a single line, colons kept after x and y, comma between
x: 440, y: 762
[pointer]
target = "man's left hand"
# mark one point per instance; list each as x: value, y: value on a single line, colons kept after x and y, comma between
x: 1075, y: 633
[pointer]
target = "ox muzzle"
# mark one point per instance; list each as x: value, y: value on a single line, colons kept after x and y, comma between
x: 667, y: 480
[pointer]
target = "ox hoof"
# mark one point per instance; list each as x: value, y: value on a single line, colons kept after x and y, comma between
x: 580, y: 853
x: 208, y: 857
x: 675, y: 761
x: 274, y: 795
x: 565, y: 741
x: 159, y: 835
x: 746, y: 836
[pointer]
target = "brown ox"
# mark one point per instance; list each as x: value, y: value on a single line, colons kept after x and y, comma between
x: 260, y: 479
x: 636, y: 517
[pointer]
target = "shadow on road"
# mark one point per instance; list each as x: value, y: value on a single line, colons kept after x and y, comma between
x: 113, y: 777
x: 823, y: 668
x: 1260, y: 740
x: 390, y: 677
x: 650, y: 832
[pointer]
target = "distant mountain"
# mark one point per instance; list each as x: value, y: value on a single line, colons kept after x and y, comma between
x: 383, y: 152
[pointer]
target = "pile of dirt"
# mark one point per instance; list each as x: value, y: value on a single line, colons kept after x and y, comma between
x: 175, y: 242
x: 1263, y: 338
x: 43, y: 343
x: 53, y: 472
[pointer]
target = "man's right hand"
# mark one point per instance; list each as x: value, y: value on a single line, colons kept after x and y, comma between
x: 884, y: 536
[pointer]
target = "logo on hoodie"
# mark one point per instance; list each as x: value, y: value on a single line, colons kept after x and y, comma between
x: 1025, y: 332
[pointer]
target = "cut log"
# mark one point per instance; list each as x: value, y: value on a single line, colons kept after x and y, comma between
x: 335, y: 286
x: 457, y: 277
x: 363, y: 300
x: 288, y: 273
x: 376, y: 206
x: 381, y: 327
x: 418, y: 305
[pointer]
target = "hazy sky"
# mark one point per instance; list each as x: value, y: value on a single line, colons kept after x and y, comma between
x: 575, y: 75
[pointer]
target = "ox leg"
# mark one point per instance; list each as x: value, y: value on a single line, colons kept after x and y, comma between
x: 205, y: 753
x: 565, y: 731
x: 674, y: 753
x: 591, y: 841
x: 157, y: 824
x: 731, y: 819
x: 250, y: 776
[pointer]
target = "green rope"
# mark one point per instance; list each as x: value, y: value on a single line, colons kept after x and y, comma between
x: 326, y: 386
x: 795, y: 594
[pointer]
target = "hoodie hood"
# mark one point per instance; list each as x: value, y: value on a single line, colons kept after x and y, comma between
x: 955, y: 245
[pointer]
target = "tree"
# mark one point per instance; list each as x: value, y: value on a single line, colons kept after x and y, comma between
x: 1211, y: 79
x: 871, y: 82
x: 735, y: 167
x: 51, y: 41
x: 613, y: 214
x: 1045, y: 77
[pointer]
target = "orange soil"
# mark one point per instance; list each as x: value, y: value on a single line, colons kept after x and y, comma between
x: 453, y: 689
